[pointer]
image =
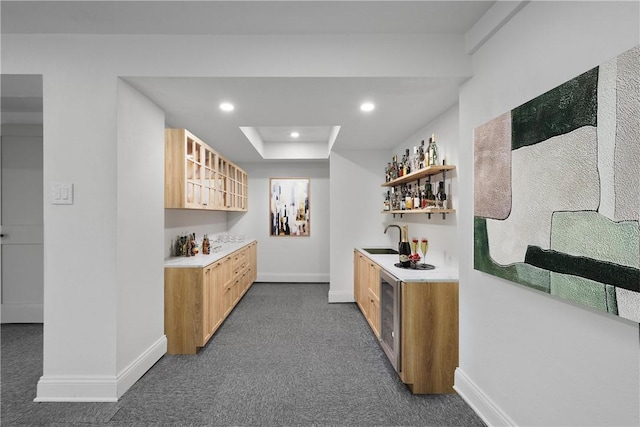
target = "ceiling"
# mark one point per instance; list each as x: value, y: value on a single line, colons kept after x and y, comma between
x: 269, y: 107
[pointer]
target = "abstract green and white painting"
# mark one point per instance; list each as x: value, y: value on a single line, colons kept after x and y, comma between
x: 557, y: 190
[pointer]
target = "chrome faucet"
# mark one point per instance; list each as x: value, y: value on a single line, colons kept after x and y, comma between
x: 399, y: 231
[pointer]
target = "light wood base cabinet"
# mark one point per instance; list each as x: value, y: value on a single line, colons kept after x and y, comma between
x: 367, y: 290
x: 428, y: 326
x: 197, y: 300
x: 429, y: 336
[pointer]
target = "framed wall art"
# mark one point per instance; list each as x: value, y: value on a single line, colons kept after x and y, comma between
x: 556, y: 200
x: 289, y: 212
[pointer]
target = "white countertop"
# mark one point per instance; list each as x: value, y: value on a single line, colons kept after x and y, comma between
x: 441, y: 273
x: 201, y: 260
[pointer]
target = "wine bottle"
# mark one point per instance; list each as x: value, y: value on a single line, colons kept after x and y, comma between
x: 430, y: 196
x: 416, y: 198
x: 404, y: 249
x: 441, y: 197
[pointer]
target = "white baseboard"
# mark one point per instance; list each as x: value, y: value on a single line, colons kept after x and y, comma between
x: 77, y: 388
x: 132, y: 373
x: 293, y: 277
x: 486, y: 409
x: 341, y: 296
x: 22, y: 313
x: 98, y: 388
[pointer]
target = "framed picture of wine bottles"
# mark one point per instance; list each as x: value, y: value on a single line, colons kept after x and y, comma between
x: 289, y: 212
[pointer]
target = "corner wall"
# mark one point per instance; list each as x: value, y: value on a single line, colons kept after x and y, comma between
x: 355, y: 213
x: 140, y: 275
x: 527, y: 358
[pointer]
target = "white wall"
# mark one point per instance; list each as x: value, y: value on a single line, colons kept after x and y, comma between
x: 80, y: 75
x: 80, y: 258
x: 139, y: 244
x: 355, y: 213
x: 442, y: 233
x: 287, y: 259
x: 178, y: 222
x: 527, y: 358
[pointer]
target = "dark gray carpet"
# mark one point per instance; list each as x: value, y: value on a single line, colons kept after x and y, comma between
x: 283, y: 357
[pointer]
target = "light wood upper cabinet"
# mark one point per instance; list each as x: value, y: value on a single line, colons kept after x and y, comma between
x: 198, y: 177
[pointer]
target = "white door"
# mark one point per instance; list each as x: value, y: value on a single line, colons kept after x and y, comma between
x: 21, y: 249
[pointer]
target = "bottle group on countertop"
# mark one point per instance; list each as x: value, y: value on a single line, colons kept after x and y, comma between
x: 187, y: 245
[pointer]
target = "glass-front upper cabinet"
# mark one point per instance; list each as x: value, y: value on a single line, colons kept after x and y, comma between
x: 198, y: 177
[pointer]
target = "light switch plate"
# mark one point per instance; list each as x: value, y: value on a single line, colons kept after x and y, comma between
x: 61, y: 193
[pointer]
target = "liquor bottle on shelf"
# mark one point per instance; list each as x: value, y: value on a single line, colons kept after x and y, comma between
x: 392, y: 199
x: 432, y: 151
x: 408, y: 199
x: 403, y: 191
x: 431, y: 198
x: 387, y: 202
x: 421, y: 155
x: 407, y: 162
x: 394, y: 167
x: 416, y: 198
x: 404, y: 249
x: 441, y: 197
x: 415, y: 159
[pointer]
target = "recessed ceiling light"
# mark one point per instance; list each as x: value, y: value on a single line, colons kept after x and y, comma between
x: 294, y: 134
x: 367, y: 106
x: 226, y: 106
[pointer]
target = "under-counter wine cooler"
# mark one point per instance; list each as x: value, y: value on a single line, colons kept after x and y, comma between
x: 390, y: 318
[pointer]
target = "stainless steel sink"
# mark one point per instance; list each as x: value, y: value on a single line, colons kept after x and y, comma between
x: 380, y: 251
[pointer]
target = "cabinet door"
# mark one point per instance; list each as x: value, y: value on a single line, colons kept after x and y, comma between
x: 222, y: 195
x: 194, y: 172
x: 227, y: 302
x: 373, y: 289
x: 183, y: 317
x: 207, y: 306
x: 361, y: 274
x: 253, y: 262
x: 208, y: 178
x: 374, y: 312
x: 429, y: 336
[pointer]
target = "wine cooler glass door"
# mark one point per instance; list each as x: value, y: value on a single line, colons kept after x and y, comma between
x: 390, y: 318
